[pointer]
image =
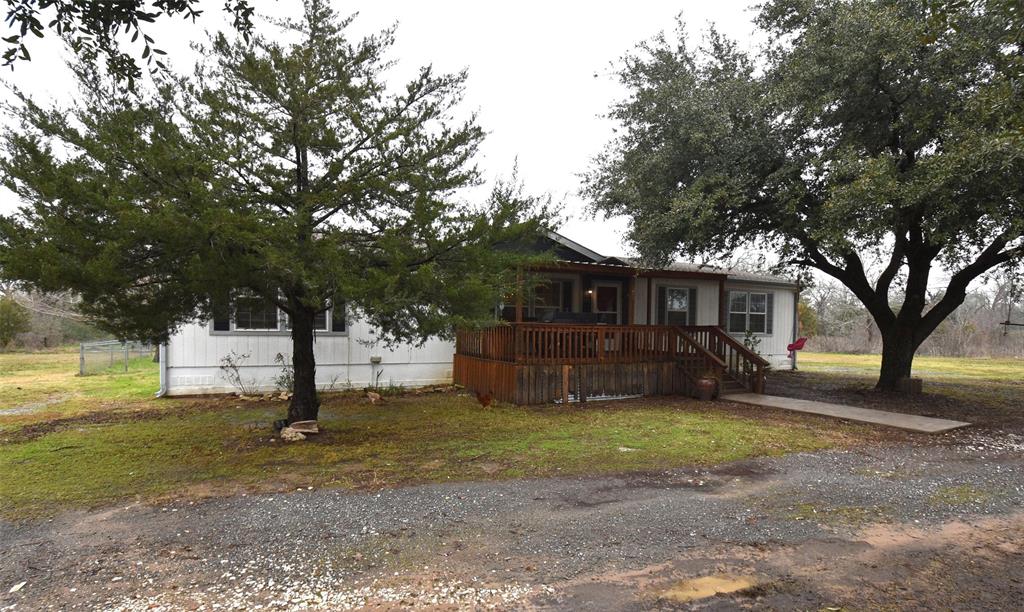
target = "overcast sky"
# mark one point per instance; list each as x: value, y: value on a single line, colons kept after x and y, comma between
x: 540, y: 75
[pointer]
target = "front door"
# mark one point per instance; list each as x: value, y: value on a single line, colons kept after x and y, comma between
x: 608, y: 302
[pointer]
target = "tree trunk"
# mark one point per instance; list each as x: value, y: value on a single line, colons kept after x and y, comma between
x: 305, y: 403
x: 898, y: 348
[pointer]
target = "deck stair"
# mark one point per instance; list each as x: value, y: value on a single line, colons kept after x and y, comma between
x: 731, y: 385
x: 739, y: 369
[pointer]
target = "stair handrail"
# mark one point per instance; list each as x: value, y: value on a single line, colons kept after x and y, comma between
x: 755, y: 379
x: 739, y: 346
x: 712, y: 361
x: 691, y: 341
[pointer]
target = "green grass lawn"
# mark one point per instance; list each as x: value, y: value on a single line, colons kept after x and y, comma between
x: 985, y: 392
x: 108, y: 440
x: 218, y: 445
x: 40, y: 387
x: 959, y: 369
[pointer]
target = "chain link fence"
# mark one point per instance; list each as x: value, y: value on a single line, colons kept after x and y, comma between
x: 112, y: 356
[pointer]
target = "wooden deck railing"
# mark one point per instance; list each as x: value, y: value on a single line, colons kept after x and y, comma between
x: 699, y: 360
x: 701, y: 350
x: 552, y: 343
x: 741, y: 363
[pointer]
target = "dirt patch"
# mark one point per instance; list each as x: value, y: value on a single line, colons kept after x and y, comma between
x: 752, y: 470
x: 956, y: 565
x: 118, y: 414
x: 34, y: 406
x: 686, y: 591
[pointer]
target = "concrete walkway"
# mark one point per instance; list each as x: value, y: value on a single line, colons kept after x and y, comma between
x: 912, y: 422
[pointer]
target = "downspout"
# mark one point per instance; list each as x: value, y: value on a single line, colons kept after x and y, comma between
x: 796, y: 325
x: 163, y: 370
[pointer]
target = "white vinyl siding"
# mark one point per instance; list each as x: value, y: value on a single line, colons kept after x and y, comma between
x: 702, y: 304
x: 343, y: 360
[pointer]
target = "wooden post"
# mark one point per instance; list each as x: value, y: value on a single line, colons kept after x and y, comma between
x: 630, y: 301
x: 566, y: 373
x: 650, y: 300
x: 581, y: 390
x: 722, y: 306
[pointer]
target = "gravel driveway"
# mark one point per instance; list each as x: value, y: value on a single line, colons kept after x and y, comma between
x: 933, y: 522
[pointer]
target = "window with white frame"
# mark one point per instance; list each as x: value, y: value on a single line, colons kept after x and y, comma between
x: 253, y: 313
x: 749, y: 311
x: 330, y: 320
x: 249, y: 313
x: 319, y: 322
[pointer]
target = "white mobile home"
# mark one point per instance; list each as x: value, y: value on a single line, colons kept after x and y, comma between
x: 581, y: 289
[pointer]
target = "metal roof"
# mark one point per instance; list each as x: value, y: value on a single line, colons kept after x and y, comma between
x: 679, y: 266
x: 732, y: 273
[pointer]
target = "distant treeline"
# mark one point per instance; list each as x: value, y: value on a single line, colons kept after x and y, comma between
x: 837, y: 322
x: 37, y: 321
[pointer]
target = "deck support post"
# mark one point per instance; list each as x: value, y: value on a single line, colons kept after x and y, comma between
x: 631, y: 301
x: 722, y: 306
x: 566, y: 381
x: 759, y: 379
x: 650, y: 301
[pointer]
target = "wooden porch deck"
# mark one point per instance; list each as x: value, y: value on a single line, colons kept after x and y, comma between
x: 537, y: 363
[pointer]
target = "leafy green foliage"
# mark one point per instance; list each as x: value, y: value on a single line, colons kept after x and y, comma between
x: 92, y: 29
x: 293, y: 171
x: 876, y: 138
x: 14, y: 319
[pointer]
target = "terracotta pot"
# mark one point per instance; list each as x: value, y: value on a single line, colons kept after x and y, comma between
x: 707, y: 389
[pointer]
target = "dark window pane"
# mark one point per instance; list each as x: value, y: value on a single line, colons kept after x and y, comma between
x: 338, y: 317
x: 255, y: 313
x: 738, y: 303
x: 607, y: 299
x: 547, y: 299
x: 757, y: 323
x: 221, y: 302
x: 758, y: 302
x: 677, y: 299
x: 566, y: 296
x: 737, y: 323
x: 677, y: 317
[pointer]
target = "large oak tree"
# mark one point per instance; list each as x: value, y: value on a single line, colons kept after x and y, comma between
x: 878, y: 141
x: 290, y: 171
x: 100, y: 30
